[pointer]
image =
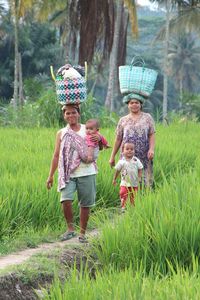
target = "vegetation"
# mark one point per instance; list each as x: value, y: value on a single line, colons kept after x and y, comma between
x: 152, y: 238
x: 51, y: 48
x: 152, y: 251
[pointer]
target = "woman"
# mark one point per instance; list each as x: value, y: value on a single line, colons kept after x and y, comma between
x: 81, y: 179
x: 138, y: 128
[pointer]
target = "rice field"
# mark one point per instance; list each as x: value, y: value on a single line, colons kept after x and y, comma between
x: 152, y: 251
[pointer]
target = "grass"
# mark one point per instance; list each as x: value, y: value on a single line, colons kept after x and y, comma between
x: 152, y: 251
x: 126, y: 285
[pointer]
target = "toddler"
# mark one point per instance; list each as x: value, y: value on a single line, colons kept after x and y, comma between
x: 130, y: 168
x: 92, y: 127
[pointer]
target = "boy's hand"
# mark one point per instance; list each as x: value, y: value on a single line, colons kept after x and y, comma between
x: 114, y: 182
x: 49, y: 183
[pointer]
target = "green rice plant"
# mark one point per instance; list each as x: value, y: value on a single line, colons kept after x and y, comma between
x: 163, y: 227
x: 25, y: 159
x: 125, y: 285
x: 176, y: 148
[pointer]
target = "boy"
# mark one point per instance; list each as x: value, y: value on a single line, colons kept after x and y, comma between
x: 130, y: 168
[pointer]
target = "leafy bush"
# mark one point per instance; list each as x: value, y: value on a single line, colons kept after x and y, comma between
x: 90, y: 109
x: 46, y: 112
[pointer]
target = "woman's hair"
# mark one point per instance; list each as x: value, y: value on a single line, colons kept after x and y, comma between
x: 76, y: 106
x: 141, y: 104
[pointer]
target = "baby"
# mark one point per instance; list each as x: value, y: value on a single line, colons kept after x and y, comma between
x: 92, y: 127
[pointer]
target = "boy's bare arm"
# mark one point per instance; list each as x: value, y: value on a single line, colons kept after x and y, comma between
x: 115, y: 177
x: 140, y: 175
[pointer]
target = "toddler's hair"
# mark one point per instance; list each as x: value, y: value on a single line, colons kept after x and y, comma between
x: 127, y: 142
x: 95, y: 122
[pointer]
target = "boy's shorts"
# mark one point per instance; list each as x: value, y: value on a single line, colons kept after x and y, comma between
x: 86, y: 190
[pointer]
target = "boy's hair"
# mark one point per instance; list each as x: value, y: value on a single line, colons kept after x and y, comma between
x: 127, y: 143
x: 95, y: 122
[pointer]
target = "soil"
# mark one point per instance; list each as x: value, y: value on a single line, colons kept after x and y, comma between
x: 14, y: 288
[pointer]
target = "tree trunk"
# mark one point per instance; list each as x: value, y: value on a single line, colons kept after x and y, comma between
x: 181, y: 92
x: 113, y: 64
x: 21, y: 96
x: 165, y: 83
x: 16, y: 71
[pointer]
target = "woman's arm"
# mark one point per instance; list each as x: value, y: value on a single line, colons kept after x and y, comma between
x: 116, y: 147
x: 150, y: 153
x: 54, y: 162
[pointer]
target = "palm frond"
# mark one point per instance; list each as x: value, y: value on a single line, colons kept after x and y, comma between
x: 188, y: 20
x: 131, y: 5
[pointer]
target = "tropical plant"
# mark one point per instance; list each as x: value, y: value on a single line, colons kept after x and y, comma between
x: 184, y: 63
x: 125, y: 10
x: 18, y: 9
x: 186, y: 18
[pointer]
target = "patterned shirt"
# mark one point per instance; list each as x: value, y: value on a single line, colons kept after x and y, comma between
x: 129, y: 171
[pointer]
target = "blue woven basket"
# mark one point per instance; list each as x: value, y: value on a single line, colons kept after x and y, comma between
x: 70, y: 91
x: 137, y: 79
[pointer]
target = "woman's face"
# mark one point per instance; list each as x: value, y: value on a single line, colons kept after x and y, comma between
x: 134, y: 106
x: 71, y: 115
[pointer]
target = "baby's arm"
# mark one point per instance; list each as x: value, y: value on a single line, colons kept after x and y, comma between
x: 104, y: 142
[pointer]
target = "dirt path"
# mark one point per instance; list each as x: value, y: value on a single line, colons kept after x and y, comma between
x: 21, y: 256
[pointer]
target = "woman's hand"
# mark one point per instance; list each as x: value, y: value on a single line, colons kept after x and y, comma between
x: 49, y: 183
x: 150, y: 154
x: 95, y: 138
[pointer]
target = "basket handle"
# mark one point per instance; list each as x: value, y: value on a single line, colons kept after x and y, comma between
x: 52, y: 73
x: 137, y: 60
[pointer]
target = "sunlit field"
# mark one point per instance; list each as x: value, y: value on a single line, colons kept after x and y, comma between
x: 153, y: 250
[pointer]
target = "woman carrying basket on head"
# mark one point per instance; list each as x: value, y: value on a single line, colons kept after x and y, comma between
x: 137, y: 82
x: 137, y: 128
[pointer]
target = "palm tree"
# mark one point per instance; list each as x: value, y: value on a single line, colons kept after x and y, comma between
x: 93, y: 27
x: 187, y: 19
x: 124, y: 10
x: 85, y: 26
x: 165, y: 82
x: 109, y: 103
x: 18, y: 9
x: 184, y: 63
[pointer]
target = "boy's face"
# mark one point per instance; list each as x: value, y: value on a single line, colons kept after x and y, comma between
x: 128, y: 150
x: 90, y: 128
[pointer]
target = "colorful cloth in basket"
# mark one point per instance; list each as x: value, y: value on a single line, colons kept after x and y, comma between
x: 71, y: 91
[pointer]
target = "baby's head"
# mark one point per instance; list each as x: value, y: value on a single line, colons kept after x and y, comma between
x: 128, y: 150
x: 92, y: 126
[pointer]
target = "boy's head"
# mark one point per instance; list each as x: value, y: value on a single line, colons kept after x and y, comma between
x: 92, y: 126
x: 128, y: 150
